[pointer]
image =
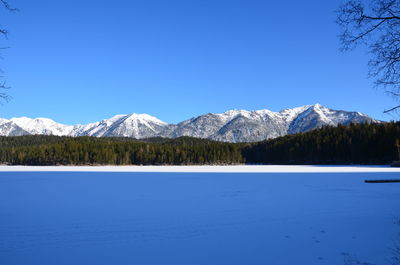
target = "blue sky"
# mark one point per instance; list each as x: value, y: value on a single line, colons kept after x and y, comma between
x: 83, y: 61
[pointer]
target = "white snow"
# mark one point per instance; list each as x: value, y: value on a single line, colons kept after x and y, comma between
x: 104, y: 218
x: 2, y: 121
x: 42, y: 126
x: 230, y: 126
x: 210, y: 169
x: 122, y: 125
x: 290, y: 114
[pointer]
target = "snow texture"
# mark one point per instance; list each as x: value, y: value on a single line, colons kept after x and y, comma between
x: 209, y: 169
x: 230, y: 126
x: 103, y: 218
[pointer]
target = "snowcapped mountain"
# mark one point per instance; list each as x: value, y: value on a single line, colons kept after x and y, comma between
x: 251, y: 126
x: 131, y: 125
x: 316, y: 116
x: 41, y: 126
x: 233, y: 126
x: 8, y: 128
x: 230, y: 126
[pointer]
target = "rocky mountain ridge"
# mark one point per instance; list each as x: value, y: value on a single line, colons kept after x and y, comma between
x: 230, y: 126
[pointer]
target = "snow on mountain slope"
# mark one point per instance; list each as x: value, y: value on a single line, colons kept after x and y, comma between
x: 136, y: 126
x: 288, y: 115
x: 316, y: 116
x: 131, y: 125
x: 251, y: 126
x: 230, y: 126
x: 204, y: 126
x: 8, y: 128
x: 41, y: 126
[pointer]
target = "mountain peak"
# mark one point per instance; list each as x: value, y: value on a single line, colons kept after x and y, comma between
x: 145, y: 117
x: 231, y: 126
x: 317, y: 105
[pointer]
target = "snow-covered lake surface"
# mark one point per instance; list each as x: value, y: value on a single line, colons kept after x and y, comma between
x: 208, y: 168
x: 143, y: 218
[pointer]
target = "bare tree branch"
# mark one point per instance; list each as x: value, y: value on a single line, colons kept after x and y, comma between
x: 362, y: 35
x: 8, y: 6
x: 391, y: 109
x: 381, y: 18
x: 4, y: 97
x: 378, y: 27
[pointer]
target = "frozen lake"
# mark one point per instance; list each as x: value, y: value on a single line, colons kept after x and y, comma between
x: 70, y: 218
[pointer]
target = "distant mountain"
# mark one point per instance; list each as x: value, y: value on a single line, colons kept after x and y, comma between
x: 230, y: 126
x: 132, y: 125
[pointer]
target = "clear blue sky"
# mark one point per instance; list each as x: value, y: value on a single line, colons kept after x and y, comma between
x: 82, y: 61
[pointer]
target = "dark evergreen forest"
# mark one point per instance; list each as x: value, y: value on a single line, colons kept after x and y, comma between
x: 53, y: 150
x: 352, y: 144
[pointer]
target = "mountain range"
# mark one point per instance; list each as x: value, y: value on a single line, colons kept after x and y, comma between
x: 230, y: 126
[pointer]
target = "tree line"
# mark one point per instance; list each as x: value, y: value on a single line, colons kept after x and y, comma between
x: 53, y: 150
x: 368, y: 143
